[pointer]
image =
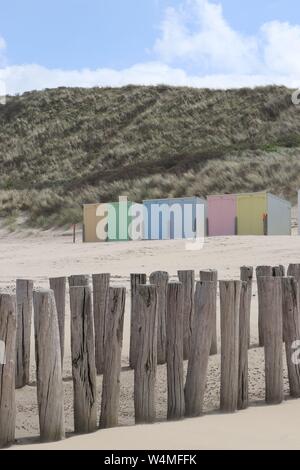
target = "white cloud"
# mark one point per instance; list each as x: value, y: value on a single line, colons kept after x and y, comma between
x: 197, y: 37
x: 281, y: 47
x: 34, y: 77
x: 198, y: 32
x: 24, y: 77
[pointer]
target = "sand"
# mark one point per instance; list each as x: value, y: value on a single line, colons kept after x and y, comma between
x: 40, y: 256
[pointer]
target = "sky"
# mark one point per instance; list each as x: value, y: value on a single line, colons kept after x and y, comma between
x: 211, y: 43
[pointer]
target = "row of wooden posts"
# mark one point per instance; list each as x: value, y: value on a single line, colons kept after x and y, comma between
x: 170, y: 322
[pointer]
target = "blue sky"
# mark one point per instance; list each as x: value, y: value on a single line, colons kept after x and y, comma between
x: 194, y: 42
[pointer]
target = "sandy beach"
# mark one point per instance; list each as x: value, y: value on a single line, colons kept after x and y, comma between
x: 40, y: 256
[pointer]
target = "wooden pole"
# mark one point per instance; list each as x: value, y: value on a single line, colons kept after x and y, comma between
x: 160, y: 279
x: 146, y: 365
x: 261, y: 271
x: 205, y: 303
x: 187, y: 279
x: 7, y: 369
x: 74, y: 233
x: 135, y: 281
x: 264, y: 271
x: 291, y: 331
x: 112, y: 362
x: 83, y: 360
x: 100, y: 303
x: 50, y: 395
x: 79, y: 280
x: 24, y: 290
x: 58, y: 285
x: 294, y: 271
x: 279, y: 271
x: 244, y: 325
x: 247, y: 276
x: 212, y: 275
x: 175, y: 351
x: 270, y: 294
x: 230, y: 297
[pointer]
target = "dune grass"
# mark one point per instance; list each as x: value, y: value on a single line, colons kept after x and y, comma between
x: 64, y: 147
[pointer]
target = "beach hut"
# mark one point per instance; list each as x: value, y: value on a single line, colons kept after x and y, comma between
x: 222, y: 215
x: 125, y: 221
x: 263, y: 214
x: 117, y: 221
x: 94, y: 223
x: 174, y: 218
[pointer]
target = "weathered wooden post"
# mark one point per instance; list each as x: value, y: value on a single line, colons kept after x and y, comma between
x: 261, y: 271
x: 294, y: 271
x: 244, y: 325
x: 187, y: 279
x: 50, y: 395
x: 279, y: 271
x: 160, y: 279
x: 264, y: 271
x: 135, y: 281
x: 79, y: 280
x: 24, y: 290
x: 205, y: 305
x: 8, y: 326
x: 247, y: 276
x: 230, y: 297
x: 146, y: 365
x: 112, y: 361
x: 58, y: 285
x: 212, y: 275
x: 270, y: 294
x: 100, y: 303
x: 291, y: 331
x: 175, y: 351
x: 83, y: 360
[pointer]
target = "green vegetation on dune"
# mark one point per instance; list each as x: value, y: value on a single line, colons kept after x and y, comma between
x: 64, y: 147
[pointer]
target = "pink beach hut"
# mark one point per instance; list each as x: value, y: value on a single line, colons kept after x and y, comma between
x: 222, y: 215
